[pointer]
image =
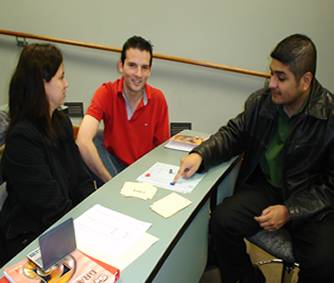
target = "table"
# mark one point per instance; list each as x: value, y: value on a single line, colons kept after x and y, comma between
x: 180, y: 254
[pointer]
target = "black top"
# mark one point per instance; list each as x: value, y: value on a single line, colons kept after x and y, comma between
x: 43, y: 183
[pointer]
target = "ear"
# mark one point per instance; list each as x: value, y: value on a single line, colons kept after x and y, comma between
x: 150, y: 69
x: 307, y: 80
x: 120, y: 66
x: 45, y: 85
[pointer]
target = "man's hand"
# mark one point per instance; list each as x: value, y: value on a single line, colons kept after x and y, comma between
x: 273, y: 217
x: 189, y: 165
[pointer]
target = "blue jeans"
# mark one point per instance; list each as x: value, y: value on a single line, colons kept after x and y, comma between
x: 109, y: 161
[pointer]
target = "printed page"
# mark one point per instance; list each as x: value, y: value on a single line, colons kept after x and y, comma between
x: 109, y: 231
x: 162, y: 175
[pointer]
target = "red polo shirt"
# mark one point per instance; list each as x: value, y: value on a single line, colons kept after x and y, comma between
x: 126, y: 139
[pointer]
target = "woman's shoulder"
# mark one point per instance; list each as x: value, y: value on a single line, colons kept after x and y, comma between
x: 24, y: 128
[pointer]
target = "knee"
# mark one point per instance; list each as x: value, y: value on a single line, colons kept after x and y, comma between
x: 223, y: 215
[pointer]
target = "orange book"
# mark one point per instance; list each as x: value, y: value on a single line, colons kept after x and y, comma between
x: 76, y: 268
x: 184, y: 142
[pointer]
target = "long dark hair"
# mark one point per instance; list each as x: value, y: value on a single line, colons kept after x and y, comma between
x: 27, y: 97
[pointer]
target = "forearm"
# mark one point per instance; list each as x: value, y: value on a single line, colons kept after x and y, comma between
x: 93, y: 161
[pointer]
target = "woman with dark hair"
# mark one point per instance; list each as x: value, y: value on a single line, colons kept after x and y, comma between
x: 41, y: 162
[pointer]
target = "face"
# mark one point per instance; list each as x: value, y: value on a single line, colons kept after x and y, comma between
x: 55, y: 89
x: 136, y: 70
x: 285, y: 89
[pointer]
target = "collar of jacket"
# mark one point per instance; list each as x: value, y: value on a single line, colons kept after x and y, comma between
x: 315, y: 106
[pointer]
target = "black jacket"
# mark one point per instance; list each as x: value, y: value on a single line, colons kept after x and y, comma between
x: 43, y: 183
x: 308, y: 165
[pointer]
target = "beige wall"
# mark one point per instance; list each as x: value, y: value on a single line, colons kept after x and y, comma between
x: 236, y: 33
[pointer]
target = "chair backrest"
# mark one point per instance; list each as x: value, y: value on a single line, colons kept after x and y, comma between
x: 4, y: 121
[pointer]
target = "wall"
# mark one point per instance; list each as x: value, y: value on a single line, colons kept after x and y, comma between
x: 230, y: 32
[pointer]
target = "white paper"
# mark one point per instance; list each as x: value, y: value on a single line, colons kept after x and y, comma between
x: 109, y: 231
x: 127, y: 258
x: 162, y: 175
x: 170, y: 205
x: 138, y: 190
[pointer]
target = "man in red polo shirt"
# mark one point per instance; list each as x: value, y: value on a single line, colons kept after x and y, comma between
x: 135, y: 116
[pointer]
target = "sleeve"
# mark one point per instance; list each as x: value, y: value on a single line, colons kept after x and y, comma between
x: 99, y: 101
x: 162, y: 132
x: 318, y: 198
x: 227, y: 142
x: 84, y: 184
x: 27, y: 170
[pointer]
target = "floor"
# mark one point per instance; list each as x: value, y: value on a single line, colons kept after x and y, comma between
x: 272, y: 272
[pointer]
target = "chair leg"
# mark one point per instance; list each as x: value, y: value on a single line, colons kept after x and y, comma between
x: 287, y: 272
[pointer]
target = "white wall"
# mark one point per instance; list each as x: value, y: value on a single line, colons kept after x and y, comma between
x: 230, y: 32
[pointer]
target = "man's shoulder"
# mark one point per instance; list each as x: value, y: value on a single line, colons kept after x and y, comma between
x: 262, y: 92
x: 108, y: 87
x: 320, y: 99
x: 153, y: 91
x: 259, y: 95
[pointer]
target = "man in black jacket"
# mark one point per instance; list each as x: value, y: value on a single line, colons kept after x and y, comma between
x: 286, y: 133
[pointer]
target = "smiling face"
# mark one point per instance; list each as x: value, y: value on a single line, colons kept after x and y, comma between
x: 55, y: 89
x: 286, y: 90
x: 136, y: 70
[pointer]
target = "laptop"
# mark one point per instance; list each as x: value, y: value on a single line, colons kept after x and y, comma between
x: 54, y: 245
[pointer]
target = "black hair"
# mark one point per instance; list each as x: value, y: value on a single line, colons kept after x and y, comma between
x: 27, y: 97
x: 137, y: 42
x: 298, y: 52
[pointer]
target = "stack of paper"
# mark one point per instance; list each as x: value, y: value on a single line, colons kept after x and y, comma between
x: 169, y: 205
x: 138, y: 190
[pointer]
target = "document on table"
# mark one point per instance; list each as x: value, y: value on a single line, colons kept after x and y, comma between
x: 138, y: 190
x: 162, y: 175
x: 109, y: 231
x: 170, y: 205
x: 146, y: 241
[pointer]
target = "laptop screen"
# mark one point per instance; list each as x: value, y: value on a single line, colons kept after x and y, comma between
x: 57, y: 243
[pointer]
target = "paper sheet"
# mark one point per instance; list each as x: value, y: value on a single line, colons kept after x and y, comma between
x: 139, y: 247
x: 138, y: 190
x: 162, y: 175
x: 108, y: 231
x: 170, y: 205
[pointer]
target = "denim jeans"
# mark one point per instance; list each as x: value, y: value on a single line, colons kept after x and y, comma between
x: 109, y: 161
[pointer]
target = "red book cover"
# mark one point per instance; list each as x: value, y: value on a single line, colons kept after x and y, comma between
x: 75, y: 268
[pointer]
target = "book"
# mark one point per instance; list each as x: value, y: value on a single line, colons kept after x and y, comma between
x: 184, y: 142
x: 76, y: 267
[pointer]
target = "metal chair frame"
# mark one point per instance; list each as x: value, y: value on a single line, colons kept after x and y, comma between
x: 279, y: 245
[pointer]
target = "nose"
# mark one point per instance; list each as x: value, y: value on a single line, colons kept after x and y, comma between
x: 138, y: 72
x: 66, y: 83
x: 272, y: 82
